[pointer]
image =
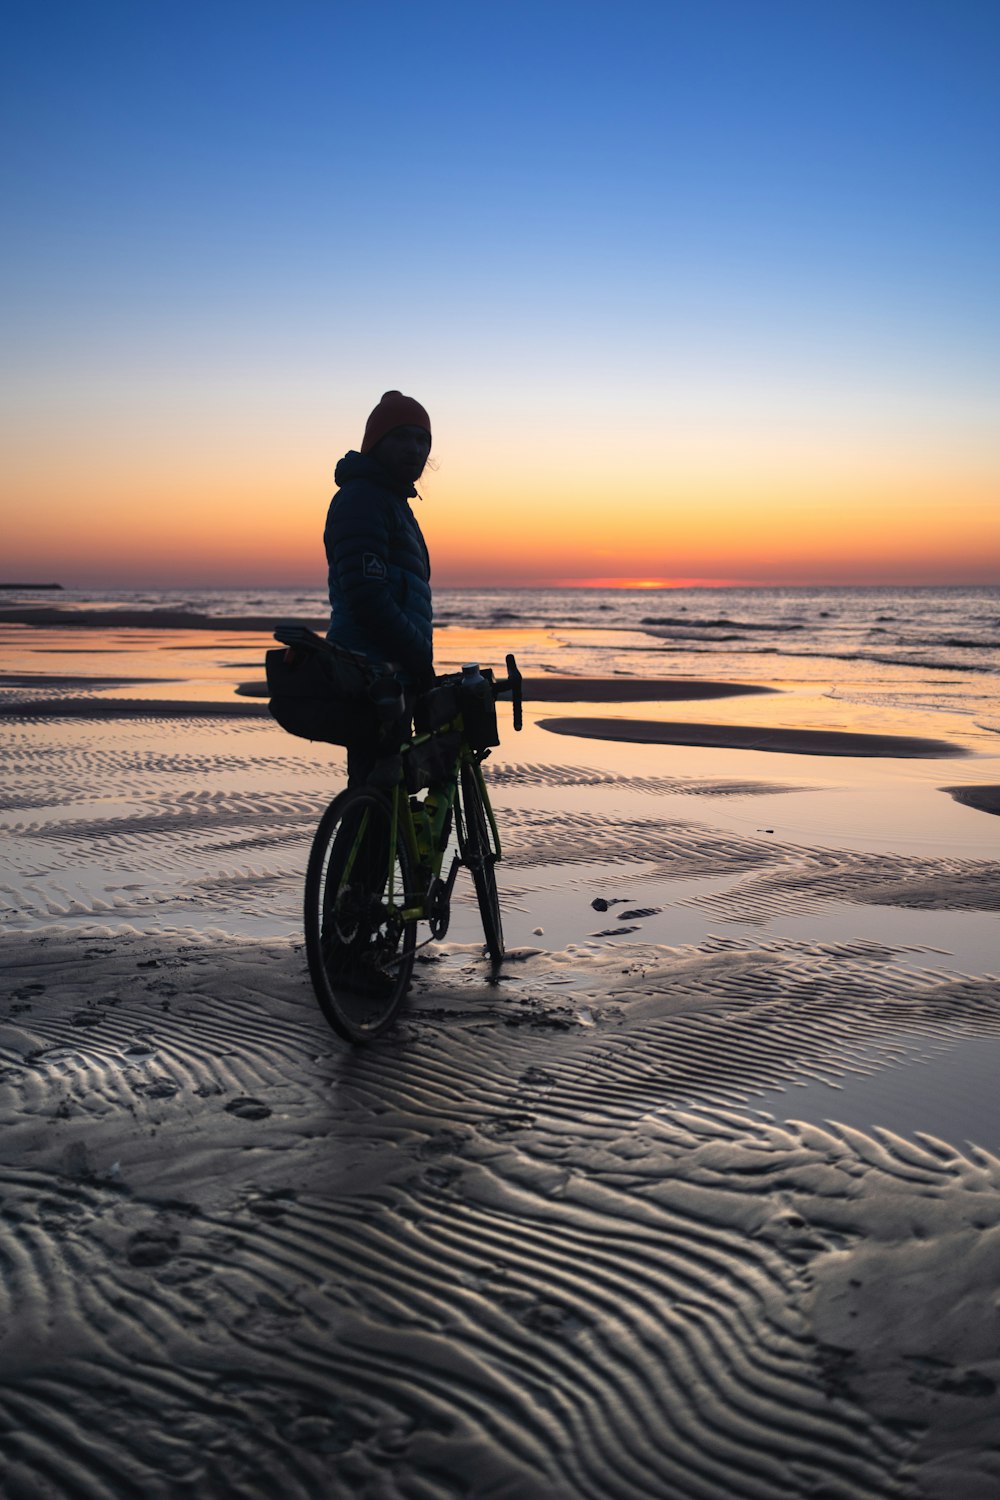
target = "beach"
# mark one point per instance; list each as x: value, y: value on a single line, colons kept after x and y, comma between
x: 699, y: 1196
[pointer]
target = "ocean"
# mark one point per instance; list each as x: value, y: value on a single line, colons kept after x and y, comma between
x: 943, y: 629
x: 924, y: 649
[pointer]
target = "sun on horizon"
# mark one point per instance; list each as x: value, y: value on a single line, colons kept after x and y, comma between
x: 646, y: 583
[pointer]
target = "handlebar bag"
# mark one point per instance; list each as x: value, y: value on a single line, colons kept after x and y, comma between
x: 438, y: 707
x: 479, y: 713
x: 319, y: 696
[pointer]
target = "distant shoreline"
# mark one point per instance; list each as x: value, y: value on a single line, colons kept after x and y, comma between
x: 31, y: 588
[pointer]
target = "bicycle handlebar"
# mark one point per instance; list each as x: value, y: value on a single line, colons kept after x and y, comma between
x: 512, y: 684
x: 383, y: 679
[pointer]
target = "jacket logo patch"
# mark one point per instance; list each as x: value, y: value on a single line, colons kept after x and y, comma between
x: 373, y: 566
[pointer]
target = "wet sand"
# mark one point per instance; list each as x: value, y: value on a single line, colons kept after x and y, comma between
x: 588, y: 1230
x: 63, y: 618
x: 625, y: 690
x: 985, y: 798
x: 792, y: 741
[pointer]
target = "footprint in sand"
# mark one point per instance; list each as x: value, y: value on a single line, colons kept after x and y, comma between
x: 139, y: 1049
x: 542, y: 1316
x: 508, y: 1124
x: 248, y: 1109
x: 152, y: 1247
x: 155, y: 1088
x: 537, y: 1078
x: 272, y: 1206
x: 442, y: 1177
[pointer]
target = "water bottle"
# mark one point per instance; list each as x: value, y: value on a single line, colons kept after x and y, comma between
x: 478, y: 709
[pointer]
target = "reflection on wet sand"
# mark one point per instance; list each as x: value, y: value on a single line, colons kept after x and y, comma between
x: 753, y: 737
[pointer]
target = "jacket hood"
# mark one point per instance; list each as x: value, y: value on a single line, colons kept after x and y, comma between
x: 355, y: 465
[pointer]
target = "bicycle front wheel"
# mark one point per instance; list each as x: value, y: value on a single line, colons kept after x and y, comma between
x: 358, y: 943
x: 479, y: 857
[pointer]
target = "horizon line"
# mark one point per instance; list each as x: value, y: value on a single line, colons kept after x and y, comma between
x: 624, y: 585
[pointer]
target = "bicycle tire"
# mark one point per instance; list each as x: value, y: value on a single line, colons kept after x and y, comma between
x: 481, y: 860
x: 359, y: 948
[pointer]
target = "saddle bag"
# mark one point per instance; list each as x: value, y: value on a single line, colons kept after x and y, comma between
x: 308, y: 700
x: 321, y: 692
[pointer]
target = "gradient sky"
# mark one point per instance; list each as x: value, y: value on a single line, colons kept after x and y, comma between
x: 702, y: 290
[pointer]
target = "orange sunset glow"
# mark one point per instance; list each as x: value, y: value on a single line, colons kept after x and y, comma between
x: 146, y: 510
x: 697, y: 383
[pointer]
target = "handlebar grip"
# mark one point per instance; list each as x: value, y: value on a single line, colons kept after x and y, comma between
x: 514, y: 678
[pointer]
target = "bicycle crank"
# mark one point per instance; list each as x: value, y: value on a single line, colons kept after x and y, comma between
x: 439, y: 901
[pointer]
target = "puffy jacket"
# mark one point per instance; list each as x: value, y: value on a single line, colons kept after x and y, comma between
x: 379, y: 570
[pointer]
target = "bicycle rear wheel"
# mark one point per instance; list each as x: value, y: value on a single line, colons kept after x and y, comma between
x: 359, y: 946
x: 480, y: 858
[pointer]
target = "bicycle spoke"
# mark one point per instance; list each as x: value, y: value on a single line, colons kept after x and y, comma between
x: 358, y: 942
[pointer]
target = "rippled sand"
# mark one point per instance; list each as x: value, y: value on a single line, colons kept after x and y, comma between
x: 585, y: 1231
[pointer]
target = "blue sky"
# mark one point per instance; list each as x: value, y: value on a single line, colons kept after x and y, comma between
x: 589, y: 210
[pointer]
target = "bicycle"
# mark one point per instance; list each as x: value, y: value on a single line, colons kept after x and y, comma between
x: 375, y: 867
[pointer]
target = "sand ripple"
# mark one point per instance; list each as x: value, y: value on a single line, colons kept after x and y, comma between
x: 138, y: 828
x: 820, y: 876
x: 541, y: 1241
x: 517, y: 1250
x: 551, y: 775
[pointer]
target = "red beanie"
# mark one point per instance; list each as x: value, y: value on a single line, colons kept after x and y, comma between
x: 394, y: 410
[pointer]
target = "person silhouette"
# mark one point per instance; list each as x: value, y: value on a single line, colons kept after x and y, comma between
x: 378, y: 564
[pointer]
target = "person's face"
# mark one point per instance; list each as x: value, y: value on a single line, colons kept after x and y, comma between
x: 404, y: 452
